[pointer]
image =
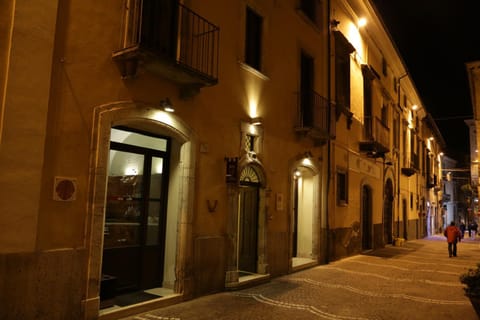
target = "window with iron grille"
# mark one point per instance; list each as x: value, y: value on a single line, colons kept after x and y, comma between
x: 250, y: 142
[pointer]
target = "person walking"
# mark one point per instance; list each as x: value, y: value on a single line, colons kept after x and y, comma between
x: 474, y: 228
x: 453, y: 235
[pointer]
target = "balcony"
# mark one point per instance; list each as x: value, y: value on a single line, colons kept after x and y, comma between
x: 171, y: 41
x: 315, y: 115
x: 377, y: 137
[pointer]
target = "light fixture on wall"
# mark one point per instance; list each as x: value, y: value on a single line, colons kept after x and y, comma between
x: 334, y: 24
x: 256, y: 121
x: 362, y: 22
x: 167, y: 105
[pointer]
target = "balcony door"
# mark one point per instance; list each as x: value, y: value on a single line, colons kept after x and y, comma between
x: 135, y: 214
x: 159, y: 27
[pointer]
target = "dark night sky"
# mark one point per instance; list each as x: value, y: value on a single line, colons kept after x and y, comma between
x: 435, y: 39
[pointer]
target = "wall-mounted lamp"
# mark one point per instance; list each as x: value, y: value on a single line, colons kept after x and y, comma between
x: 334, y: 23
x: 362, y: 22
x: 414, y: 107
x: 167, y: 105
x: 256, y: 121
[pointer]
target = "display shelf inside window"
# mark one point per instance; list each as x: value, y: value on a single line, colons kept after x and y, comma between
x: 123, y: 213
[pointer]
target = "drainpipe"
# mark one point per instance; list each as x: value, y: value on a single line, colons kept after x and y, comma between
x: 329, y: 99
x: 399, y: 160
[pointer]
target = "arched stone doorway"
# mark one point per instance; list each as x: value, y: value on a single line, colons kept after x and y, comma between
x: 178, y: 208
x: 248, y: 208
x: 388, y: 212
x: 246, y: 226
x: 305, y: 219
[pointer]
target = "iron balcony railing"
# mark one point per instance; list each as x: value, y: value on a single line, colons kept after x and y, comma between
x: 170, y: 30
x: 314, y: 112
x: 377, y: 131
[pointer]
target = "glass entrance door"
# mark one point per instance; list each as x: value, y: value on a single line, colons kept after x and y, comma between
x: 135, y: 212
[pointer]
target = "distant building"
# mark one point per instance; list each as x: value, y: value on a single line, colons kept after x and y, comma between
x: 473, y: 73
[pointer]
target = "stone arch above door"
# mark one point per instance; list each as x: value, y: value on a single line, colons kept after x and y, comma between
x: 148, y: 118
x: 250, y: 172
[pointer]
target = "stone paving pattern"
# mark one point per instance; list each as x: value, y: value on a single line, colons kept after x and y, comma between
x: 415, y: 281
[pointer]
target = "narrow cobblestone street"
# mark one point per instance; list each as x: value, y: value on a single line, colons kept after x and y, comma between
x: 415, y: 281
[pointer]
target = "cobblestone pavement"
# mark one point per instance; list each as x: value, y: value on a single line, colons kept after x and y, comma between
x: 415, y: 281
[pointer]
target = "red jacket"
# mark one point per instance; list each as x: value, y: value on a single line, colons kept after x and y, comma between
x: 452, y: 233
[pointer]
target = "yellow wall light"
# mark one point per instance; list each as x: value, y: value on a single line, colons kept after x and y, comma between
x: 362, y: 22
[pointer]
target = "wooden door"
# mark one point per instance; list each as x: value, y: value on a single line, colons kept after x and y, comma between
x: 248, y: 229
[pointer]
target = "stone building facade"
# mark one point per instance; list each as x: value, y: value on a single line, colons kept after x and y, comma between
x: 297, y: 138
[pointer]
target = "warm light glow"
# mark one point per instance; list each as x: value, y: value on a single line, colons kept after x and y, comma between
x: 164, y: 117
x: 253, y: 89
x: 441, y: 154
x: 362, y: 22
x: 167, y: 105
x: 297, y: 173
x: 157, y: 165
x: 252, y: 107
x: 131, y: 171
x: 414, y: 107
x: 431, y: 138
x: 353, y: 36
x: 256, y: 121
x: 307, y: 162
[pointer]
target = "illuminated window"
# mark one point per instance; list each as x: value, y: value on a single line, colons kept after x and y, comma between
x: 253, y: 39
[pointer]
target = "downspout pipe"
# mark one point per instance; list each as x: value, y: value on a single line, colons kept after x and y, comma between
x: 399, y: 208
x: 330, y: 124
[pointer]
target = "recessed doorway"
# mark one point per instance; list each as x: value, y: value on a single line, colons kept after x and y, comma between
x: 135, y: 217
